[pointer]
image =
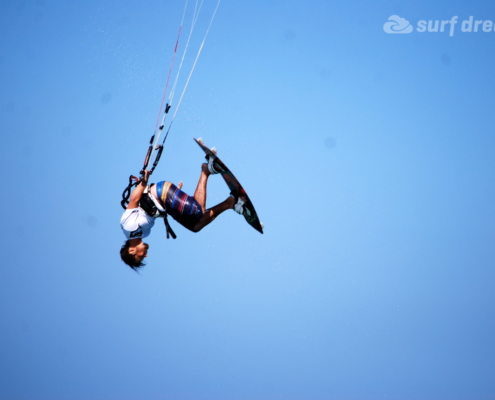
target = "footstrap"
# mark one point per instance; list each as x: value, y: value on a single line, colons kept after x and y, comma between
x: 239, y: 203
x: 213, y: 167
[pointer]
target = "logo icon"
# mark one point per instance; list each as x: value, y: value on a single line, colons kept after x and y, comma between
x: 396, y: 24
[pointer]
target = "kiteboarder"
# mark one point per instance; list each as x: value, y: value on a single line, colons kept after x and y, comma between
x: 147, y: 202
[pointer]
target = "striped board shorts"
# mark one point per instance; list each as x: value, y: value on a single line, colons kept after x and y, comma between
x: 181, y: 207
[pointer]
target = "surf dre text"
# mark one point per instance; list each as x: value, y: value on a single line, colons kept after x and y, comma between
x: 396, y: 24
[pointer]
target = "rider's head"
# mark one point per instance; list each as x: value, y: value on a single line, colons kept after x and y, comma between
x: 133, y: 252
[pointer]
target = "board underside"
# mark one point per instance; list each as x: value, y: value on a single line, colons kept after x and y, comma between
x: 250, y: 215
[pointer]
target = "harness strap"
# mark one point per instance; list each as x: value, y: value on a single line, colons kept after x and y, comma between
x: 167, y: 226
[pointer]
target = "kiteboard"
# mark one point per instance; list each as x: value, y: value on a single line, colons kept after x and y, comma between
x: 235, y: 187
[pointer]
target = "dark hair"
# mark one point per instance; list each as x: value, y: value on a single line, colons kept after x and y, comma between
x: 129, y: 258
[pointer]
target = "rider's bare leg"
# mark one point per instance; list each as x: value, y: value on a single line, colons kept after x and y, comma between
x: 210, y: 214
x: 200, y: 193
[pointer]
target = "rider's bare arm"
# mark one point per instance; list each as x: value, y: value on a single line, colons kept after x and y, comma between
x: 138, y: 192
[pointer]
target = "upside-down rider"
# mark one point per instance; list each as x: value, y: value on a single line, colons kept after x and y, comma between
x: 147, y: 202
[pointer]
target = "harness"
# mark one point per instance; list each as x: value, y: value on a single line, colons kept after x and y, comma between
x: 153, y: 208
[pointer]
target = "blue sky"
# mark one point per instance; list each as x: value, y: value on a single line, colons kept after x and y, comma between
x: 368, y: 156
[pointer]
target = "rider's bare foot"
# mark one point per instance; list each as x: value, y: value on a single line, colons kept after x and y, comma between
x: 204, y: 168
x: 231, y: 202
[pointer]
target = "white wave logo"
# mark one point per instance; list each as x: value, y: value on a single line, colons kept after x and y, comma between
x: 397, y: 24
